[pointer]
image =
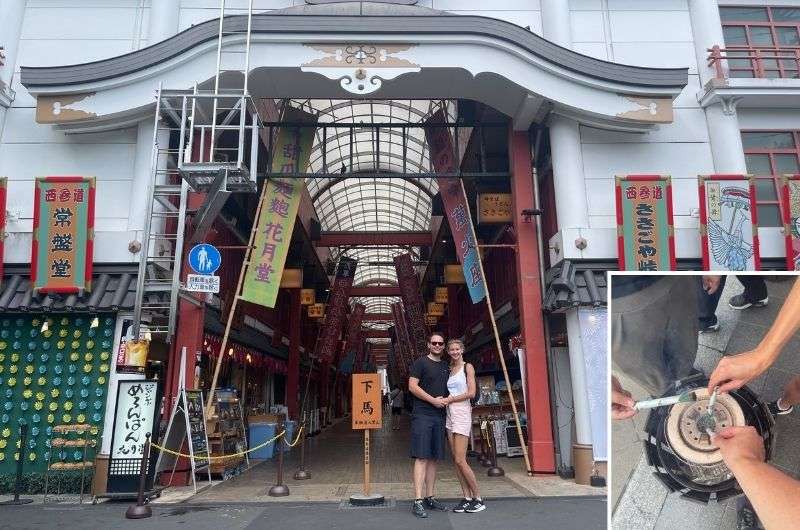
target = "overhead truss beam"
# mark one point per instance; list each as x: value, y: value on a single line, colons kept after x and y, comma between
x: 371, y: 239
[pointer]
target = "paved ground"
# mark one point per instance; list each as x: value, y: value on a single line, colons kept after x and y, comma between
x: 510, y: 514
x: 638, y: 500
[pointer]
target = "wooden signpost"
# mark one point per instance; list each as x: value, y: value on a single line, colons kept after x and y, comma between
x: 366, y: 415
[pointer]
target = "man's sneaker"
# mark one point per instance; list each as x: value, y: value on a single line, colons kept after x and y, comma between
x: 776, y: 410
x: 433, y: 504
x: 462, y: 506
x: 740, y: 302
x: 418, y: 509
x: 746, y: 518
x: 476, y: 506
x: 711, y: 328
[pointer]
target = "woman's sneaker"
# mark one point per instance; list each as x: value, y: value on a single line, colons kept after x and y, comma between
x: 461, y: 507
x: 475, y: 506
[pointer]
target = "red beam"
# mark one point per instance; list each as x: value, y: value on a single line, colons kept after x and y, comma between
x: 395, y: 238
x: 373, y: 317
x: 377, y: 290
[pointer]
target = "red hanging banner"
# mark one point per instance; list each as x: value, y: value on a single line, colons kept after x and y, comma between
x: 354, y: 328
x: 406, y: 353
x: 412, y: 303
x: 335, y: 310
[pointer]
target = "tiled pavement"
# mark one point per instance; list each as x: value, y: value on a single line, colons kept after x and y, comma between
x: 638, y: 500
x: 335, y: 460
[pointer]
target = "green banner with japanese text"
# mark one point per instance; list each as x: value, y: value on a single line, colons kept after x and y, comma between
x: 63, y: 234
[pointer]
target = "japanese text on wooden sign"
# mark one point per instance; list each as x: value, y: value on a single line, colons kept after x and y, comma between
x: 136, y: 406
x: 63, y: 234
x: 645, y: 234
x: 366, y: 403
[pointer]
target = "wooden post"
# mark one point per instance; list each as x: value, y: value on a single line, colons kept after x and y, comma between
x: 497, y: 343
x: 366, y: 462
x: 245, y: 264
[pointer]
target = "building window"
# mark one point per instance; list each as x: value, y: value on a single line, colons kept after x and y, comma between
x: 767, y: 39
x: 770, y: 154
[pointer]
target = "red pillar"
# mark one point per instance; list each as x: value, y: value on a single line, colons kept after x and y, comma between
x: 540, y: 427
x: 293, y: 368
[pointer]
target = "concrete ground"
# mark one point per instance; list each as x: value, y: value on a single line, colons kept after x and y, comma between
x: 564, y: 513
x: 638, y: 500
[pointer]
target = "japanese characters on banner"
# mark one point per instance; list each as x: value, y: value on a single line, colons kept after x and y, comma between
x: 3, y: 193
x: 136, y: 407
x: 273, y: 235
x: 335, y: 311
x: 728, y: 221
x: 645, y: 231
x: 455, y: 204
x: 412, y: 303
x: 63, y: 234
x: 404, y: 349
x: 354, y: 328
x: 791, y: 220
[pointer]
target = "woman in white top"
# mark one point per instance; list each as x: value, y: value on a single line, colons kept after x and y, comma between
x: 461, y: 387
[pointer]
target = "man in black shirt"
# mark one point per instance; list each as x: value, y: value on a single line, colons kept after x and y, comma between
x: 427, y: 382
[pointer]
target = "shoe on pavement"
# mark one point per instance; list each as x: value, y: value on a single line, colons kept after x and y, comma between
x: 712, y: 328
x: 462, y: 506
x: 476, y: 506
x: 746, y: 518
x: 777, y: 410
x: 740, y: 302
x: 418, y: 509
x: 432, y: 503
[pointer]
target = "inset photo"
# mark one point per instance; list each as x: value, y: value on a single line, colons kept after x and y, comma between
x: 705, y: 401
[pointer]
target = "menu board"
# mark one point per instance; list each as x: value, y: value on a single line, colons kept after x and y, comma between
x: 197, y: 423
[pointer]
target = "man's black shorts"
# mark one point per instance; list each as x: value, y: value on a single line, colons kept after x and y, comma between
x: 427, y: 436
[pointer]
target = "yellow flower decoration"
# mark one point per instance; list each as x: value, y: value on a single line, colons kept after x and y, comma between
x: 64, y: 321
x: 90, y: 344
x: 14, y: 357
x: 32, y: 457
x: 74, y: 356
x: 3, y: 444
x: 11, y: 381
x: 41, y: 381
x: 17, y: 444
x: 50, y: 418
x: 66, y: 418
x: 29, y: 369
x: 38, y: 405
x: 60, y: 344
x: 48, y: 333
x: 87, y: 368
x: 54, y: 393
x: 27, y: 381
x: 63, y: 333
x: 101, y: 380
x: 88, y: 357
x: 81, y: 418
x: 53, y: 406
x: 3, y: 345
x: 103, y: 356
x: 35, y: 322
x: 68, y: 406
x: 40, y: 395
x: 94, y: 430
x: 1, y: 368
x: 6, y: 432
x: 13, y: 369
x: 16, y: 457
x: 104, y: 368
x: 27, y: 393
x: 2, y: 357
x: 77, y: 333
x: 75, y: 344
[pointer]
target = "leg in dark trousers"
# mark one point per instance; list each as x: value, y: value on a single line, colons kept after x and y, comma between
x: 755, y: 292
x: 707, y: 304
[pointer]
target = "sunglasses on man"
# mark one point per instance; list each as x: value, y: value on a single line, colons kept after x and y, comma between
x: 437, y: 343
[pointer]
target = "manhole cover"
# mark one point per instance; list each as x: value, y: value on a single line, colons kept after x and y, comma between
x: 388, y: 503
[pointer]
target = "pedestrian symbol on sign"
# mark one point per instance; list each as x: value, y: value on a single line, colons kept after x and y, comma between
x: 204, y: 259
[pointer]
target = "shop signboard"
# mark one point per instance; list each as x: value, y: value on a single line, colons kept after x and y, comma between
x: 728, y: 223
x: 440, y: 295
x: 791, y: 220
x: 366, y: 402
x: 292, y: 278
x: 645, y: 231
x: 431, y: 320
x: 456, y: 206
x: 494, y: 208
x: 63, y: 234
x: 308, y: 296
x: 316, y: 310
x: 132, y: 356
x: 335, y: 313
x: 134, y: 418
x: 435, y: 309
x: 413, y: 304
x: 454, y: 274
x: 3, y: 193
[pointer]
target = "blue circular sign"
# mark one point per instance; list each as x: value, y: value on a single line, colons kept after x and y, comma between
x: 204, y: 259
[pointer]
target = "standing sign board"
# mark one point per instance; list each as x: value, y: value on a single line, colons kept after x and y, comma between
x: 790, y: 197
x: 728, y: 223
x: 134, y: 417
x: 63, y: 235
x: 645, y: 233
x: 366, y: 402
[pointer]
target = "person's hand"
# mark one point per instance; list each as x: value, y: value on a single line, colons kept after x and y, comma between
x: 739, y: 444
x: 735, y: 371
x: 439, y: 402
x: 621, y: 401
x: 711, y: 283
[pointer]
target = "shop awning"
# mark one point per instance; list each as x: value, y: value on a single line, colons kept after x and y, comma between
x: 113, y: 289
x: 244, y: 336
x: 571, y: 285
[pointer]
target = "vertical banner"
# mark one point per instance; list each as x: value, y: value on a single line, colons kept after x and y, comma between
x: 63, y: 234
x: 645, y: 231
x: 728, y: 223
x: 594, y: 334
x: 412, y: 302
x: 335, y: 311
x: 3, y: 193
x: 791, y: 220
x: 354, y: 328
x: 273, y: 235
x: 455, y: 204
x: 406, y: 350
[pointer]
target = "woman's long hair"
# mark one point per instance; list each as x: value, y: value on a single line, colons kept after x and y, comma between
x: 460, y: 343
